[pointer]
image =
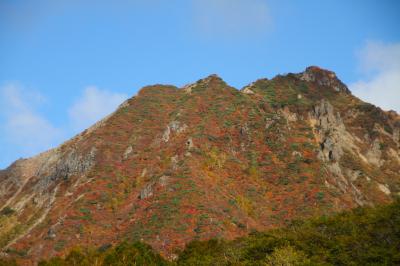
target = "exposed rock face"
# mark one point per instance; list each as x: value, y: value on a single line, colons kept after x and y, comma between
x: 163, y: 181
x: 147, y: 191
x: 51, y: 233
x: 374, y: 154
x: 330, y: 131
x: 34, y: 184
x: 62, y: 166
x: 384, y: 189
x: 189, y: 143
x: 172, y: 165
x: 289, y: 116
x: 396, y: 136
x: 174, y: 126
x: 188, y: 88
x: 323, y: 78
x: 127, y: 152
x: 334, y: 140
x: 247, y: 90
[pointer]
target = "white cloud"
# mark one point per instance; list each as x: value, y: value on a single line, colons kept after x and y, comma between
x: 94, y: 105
x: 378, y: 56
x: 380, y: 66
x: 25, y: 132
x: 22, y: 125
x: 231, y: 18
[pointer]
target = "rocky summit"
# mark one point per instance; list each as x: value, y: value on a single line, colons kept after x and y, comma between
x: 172, y: 165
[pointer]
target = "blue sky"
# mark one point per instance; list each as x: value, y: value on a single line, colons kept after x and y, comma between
x: 65, y: 64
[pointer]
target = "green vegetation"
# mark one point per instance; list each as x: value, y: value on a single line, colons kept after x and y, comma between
x: 7, y: 211
x: 124, y: 254
x: 8, y: 262
x: 363, y: 236
x: 371, y: 114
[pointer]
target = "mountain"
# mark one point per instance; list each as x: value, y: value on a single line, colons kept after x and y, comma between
x: 172, y: 165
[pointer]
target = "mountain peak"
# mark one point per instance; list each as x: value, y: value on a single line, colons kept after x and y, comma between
x: 323, y: 77
x: 319, y: 69
x: 167, y: 168
x: 211, y: 81
x: 213, y: 76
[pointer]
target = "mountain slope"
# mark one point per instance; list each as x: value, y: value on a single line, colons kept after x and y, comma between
x: 362, y: 236
x: 172, y: 165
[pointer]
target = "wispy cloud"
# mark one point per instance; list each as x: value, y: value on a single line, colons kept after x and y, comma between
x: 92, y: 106
x: 380, y: 66
x: 23, y: 126
x: 25, y: 131
x: 231, y: 18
